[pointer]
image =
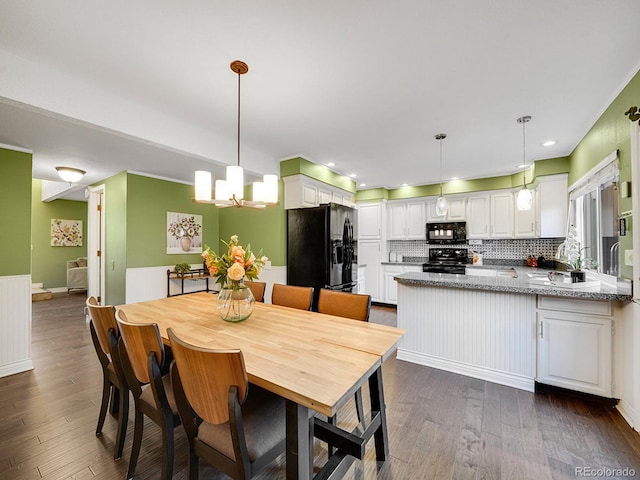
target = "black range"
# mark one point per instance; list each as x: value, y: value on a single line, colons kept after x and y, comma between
x: 447, y: 260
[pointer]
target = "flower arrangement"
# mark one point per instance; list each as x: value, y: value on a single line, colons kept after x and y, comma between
x: 570, y: 252
x: 236, y: 264
x: 185, y: 227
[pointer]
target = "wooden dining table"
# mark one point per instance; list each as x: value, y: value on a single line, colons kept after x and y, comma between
x: 314, y: 361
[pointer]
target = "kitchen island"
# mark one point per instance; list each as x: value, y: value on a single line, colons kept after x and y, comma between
x: 514, y: 328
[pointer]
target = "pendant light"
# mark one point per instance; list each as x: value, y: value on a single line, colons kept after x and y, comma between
x: 525, y: 198
x: 230, y: 191
x: 441, y: 202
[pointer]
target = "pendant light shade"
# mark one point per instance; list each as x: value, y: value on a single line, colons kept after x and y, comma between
x: 230, y: 192
x: 441, y: 203
x: 525, y: 197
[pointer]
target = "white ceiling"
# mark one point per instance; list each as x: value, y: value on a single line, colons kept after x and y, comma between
x: 146, y: 86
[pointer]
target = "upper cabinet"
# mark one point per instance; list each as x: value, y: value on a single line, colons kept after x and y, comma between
x: 501, y: 215
x: 478, y: 217
x: 301, y: 191
x: 553, y: 201
x: 526, y: 222
x: 406, y: 220
x: 370, y: 221
x: 456, y: 209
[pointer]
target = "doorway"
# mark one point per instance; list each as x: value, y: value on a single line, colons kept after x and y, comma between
x: 96, y: 242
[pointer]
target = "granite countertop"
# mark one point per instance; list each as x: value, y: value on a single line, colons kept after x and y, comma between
x: 506, y: 282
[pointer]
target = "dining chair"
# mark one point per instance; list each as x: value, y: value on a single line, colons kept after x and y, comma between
x: 355, y: 306
x: 115, y: 391
x: 143, y: 359
x: 292, y: 296
x: 236, y: 428
x: 257, y: 288
x: 344, y: 304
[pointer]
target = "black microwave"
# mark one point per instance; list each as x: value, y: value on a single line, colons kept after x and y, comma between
x: 447, y: 232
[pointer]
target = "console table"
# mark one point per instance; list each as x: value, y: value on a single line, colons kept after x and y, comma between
x: 194, y: 274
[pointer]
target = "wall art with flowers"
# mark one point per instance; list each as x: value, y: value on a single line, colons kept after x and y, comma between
x: 184, y: 233
x: 66, y: 233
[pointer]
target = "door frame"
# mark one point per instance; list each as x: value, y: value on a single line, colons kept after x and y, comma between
x: 96, y: 242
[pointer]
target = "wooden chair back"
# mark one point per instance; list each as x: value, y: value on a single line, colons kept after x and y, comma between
x: 292, y: 296
x: 257, y: 288
x: 345, y: 304
x: 104, y: 319
x: 140, y: 339
x: 206, y: 376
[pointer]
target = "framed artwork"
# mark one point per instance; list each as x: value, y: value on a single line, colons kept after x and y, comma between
x: 184, y: 233
x: 66, y: 233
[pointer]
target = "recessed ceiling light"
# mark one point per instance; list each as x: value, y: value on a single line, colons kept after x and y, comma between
x: 353, y: 175
x: 522, y: 166
x: 363, y: 184
x: 455, y: 178
x: 404, y: 184
x: 331, y: 164
x: 548, y: 143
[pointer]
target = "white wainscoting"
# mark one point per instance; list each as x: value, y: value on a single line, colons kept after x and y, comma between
x: 486, y: 335
x: 15, y: 324
x: 150, y: 283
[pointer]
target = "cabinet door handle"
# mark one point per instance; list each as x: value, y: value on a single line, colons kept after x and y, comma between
x: 541, y: 329
x: 532, y: 226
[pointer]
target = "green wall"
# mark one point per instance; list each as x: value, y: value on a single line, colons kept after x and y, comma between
x: 49, y: 264
x: 300, y: 166
x: 15, y: 212
x: 542, y: 167
x: 611, y: 132
x: 263, y: 228
x: 136, y: 226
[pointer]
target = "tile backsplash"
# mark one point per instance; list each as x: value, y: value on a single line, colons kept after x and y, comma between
x: 491, y: 249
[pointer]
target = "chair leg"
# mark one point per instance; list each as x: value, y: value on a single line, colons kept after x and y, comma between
x: 137, y: 442
x: 359, y: 405
x: 115, y: 394
x: 123, y: 419
x: 106, y: 388
x: 194, y: 465
x: 167, y: 454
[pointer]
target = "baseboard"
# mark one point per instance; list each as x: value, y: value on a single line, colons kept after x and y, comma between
x: 16, y: 367
x: 496, y: 376
x: 629, y: 414
x: 590, y: 397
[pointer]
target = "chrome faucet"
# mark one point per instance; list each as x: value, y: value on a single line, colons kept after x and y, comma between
x: 614, y: 259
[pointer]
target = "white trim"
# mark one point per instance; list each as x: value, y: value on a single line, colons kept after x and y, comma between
x: 17, y: 149
x: 158, y: 177
x: 605, y: 170
x: 629, y: 414
x: 16, y: 367
x: 496, y: 376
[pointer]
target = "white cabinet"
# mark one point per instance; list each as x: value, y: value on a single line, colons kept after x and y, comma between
x: 370, y: 221
x: 406, y: 220
x: 501, y: 215
x: 525, y: 223
x: 456, y: 209
x: 369, y: 254
x: 478, y: 216
x: 301, y: 191
x: 390, y: 285
x: 553, y: 201
x: 574, y: 347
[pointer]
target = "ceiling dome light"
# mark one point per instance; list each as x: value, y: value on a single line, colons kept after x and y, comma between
x: 525, y: 198
x: 549, y: 143
x: 71, y: 175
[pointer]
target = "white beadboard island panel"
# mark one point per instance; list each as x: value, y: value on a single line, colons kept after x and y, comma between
x: 15, y: 324
x: 482, y: 334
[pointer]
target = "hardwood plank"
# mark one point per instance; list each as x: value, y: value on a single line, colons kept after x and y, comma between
x: 48, y: 418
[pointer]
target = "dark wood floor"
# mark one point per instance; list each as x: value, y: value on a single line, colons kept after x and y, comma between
x: 441, y: 425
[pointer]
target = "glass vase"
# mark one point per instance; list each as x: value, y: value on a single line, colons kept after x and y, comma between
x: 235, y: 302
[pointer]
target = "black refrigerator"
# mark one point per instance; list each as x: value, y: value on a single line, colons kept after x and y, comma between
x: 321, y: 247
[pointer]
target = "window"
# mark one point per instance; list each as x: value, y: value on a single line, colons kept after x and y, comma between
x: 593, y: 210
